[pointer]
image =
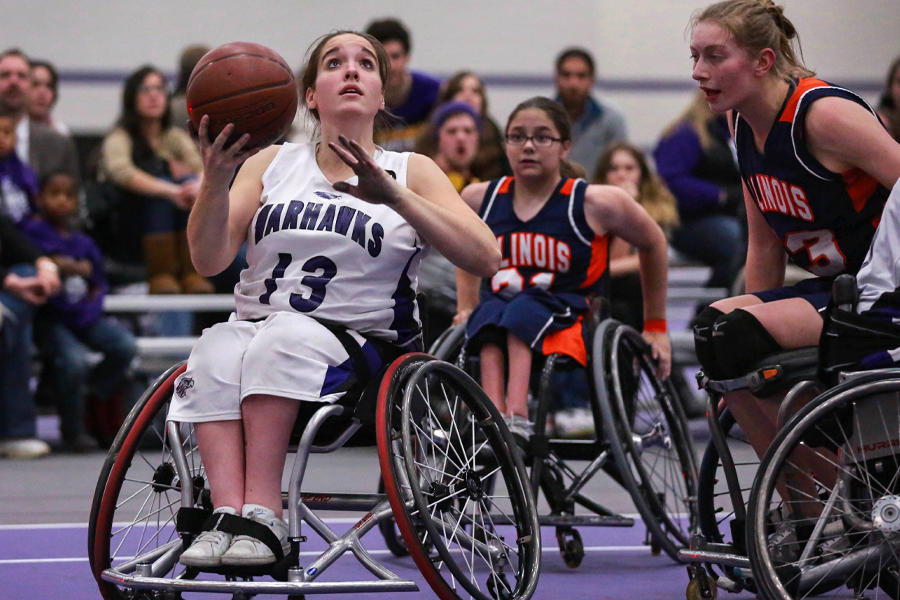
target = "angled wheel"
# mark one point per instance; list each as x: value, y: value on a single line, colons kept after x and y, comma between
x: 457, y: 486
x: 644, y: 424
x: 836, y: 467
x: 714, y: 506
x: 139, y: 492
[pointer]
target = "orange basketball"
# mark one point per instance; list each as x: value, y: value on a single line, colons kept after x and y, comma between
x: 246, y: 84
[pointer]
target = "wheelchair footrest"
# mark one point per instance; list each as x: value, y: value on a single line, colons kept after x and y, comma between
x: 586, y: 521
x: 167, y: 584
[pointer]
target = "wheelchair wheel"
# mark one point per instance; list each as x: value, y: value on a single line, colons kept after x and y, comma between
x: 449, y: 344
x: 837, y: 461
x: 469, y: 536
x: 644, y: 424
x: 714, y: 508
x: 139, y: 492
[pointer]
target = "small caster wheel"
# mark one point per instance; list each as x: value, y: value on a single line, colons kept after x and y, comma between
x: 498, y: 587
x: 701, y: 586
x: 570, y: 546
x: 655, y: 548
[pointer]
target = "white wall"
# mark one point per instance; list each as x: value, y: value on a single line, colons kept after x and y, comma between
x: 638, y: 41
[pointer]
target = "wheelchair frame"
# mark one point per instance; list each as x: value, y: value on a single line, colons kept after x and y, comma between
x: 744, y: 565
x: 620, y: 458
x: 417, y: 372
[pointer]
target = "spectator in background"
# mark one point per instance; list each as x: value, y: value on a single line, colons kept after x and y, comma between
x: 595, y: 124
x: 72, y: 325
x: 695, y: 158
x: 490, y: 161
x: 452, y: 137
x: 155, y: 167
x: 889, y: 105
x: 27, y: 280
x: 18, y: 183
x: 624, y: 166
x: 189, y: 58
x: 409, y: 95
x: 44, y: 149
x: 43, y: 96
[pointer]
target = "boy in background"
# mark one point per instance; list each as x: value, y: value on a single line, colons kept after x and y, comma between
x: 72, y: 324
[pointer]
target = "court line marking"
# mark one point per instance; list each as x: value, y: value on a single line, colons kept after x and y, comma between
x: 26, y: 561
x: 338, y: 520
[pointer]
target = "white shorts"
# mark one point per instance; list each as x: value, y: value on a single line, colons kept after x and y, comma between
x: 288, y: 354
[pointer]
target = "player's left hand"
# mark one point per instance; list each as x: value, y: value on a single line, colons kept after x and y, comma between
x: 374, y: 184
x: 661, y: 349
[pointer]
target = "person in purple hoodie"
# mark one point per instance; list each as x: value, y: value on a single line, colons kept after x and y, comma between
x: 18, y: 183
x: 72, y: 324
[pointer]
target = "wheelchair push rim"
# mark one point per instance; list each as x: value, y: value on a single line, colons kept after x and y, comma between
x: 845, y: 545
x: 646, y: 429
x: 438, y: 473
x: 139, y: 492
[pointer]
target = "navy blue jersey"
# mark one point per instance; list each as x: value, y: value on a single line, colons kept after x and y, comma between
x: 555, y: 250
x: 825, y: 220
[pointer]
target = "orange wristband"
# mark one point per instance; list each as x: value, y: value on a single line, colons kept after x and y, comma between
x: 656, y: 326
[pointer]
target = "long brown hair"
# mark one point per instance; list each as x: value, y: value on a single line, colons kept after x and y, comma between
x: 653, y: 194
x: 757, y: 25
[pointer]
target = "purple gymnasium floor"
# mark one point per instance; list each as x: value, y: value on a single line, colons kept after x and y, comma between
x: 49, y: 562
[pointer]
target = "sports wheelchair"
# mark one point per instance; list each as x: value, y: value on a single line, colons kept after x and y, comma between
x: 645, y: 445
x: 779, y: 528
x: 469, y: 535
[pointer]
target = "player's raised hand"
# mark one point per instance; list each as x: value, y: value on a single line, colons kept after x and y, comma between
x: 374, y: 184
x: 219, y: 159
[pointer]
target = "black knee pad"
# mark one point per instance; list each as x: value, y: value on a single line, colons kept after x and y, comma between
x: 740, y: 342
x: 706, y: 355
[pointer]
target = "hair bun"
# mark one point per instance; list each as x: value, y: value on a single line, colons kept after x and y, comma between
x: 777, y: 13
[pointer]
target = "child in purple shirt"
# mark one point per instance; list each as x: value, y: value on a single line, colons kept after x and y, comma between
x: 72, y: 324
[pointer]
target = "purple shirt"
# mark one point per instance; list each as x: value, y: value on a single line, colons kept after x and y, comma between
x: 79, y: 305
x: 18, y: 188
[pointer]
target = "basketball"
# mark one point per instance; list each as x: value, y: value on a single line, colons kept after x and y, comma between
x: 247, y: 84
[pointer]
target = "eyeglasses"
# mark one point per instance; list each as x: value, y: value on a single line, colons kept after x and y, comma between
x: 540, y: 140
x: 146, y: 89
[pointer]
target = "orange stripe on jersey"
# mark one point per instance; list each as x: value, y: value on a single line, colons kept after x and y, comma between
x: 860, y: 186
x: 599, y: 260
x: 566, y: 189
x: 790, y: 110
x: 569, y: 341
x: 504, y: 187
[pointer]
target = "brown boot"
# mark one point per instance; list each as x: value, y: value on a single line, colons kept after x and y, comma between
x: 191, y: 281
x: 161, y: 259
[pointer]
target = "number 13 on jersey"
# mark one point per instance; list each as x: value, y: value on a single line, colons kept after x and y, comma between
x: 322, y: 270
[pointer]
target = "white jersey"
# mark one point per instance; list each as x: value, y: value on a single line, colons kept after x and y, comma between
x: 878, y: 279
x: 330, y: 255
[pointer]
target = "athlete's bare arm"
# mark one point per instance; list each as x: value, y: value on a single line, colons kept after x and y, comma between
x: 218, y: 223
x: 468, y: 285
x: 766, y: 256
x: 843, y: 135
x: 611, y: 210
x: 429, y: 203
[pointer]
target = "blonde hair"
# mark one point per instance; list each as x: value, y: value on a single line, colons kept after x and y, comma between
x: 653, y: 194
x: 698, y: 115
x: 757, y: 25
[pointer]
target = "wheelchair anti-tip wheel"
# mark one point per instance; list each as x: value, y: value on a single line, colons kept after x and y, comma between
x: 139, y: 492
x: 646, y: 429
x: 469, y: 538
x: 836, y: 466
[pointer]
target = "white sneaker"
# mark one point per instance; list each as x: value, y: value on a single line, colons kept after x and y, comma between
x: 575, y: 423
x: 208, y: 548
x: 519, y: 426
x: 248, y: 551
x: 24, y: 448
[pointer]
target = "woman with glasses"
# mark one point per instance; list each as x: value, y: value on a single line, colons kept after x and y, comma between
x: 554, y: 234
x: 153, y: 169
